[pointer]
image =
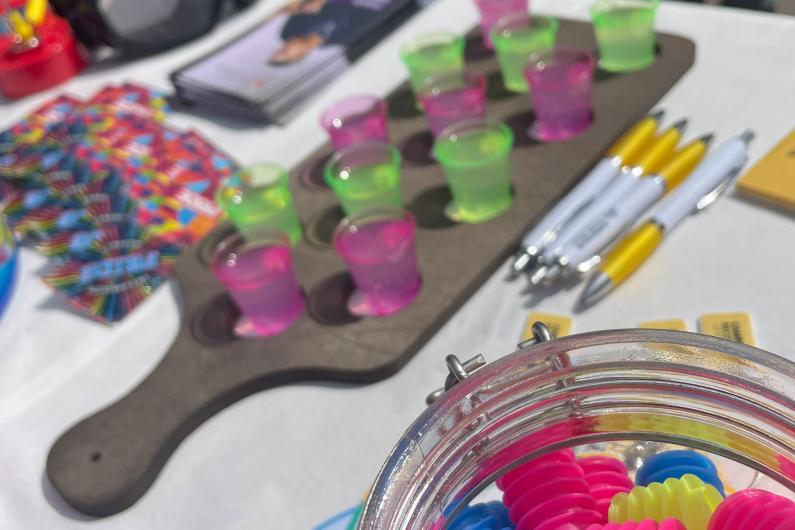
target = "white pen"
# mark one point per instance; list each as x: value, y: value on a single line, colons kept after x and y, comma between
x: 598, y: 212
x: 713, y: 176
x: 628, y: 147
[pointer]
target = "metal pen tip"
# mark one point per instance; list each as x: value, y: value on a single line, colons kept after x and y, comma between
x: 707, y: 139
x: 657, y: 115
x: 538, y: 275
x: 599, y: 286
x: 521, y: 262
x: 680, y: 125
x: 748, y: 136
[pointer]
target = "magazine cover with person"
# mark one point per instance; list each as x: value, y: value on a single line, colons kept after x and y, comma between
x: 291, y: 56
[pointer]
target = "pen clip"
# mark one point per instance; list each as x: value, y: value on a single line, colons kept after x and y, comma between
x: 723, y: 187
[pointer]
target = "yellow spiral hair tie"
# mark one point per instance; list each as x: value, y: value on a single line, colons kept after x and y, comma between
x: 688, y: 499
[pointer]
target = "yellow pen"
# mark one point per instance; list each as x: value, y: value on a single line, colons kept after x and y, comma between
x: 659, y: 152
x: 628, y: 148
x: 595, y: 226
x: 699, y: 190
x: 624, y: 151
x: 36, y: 11
x: 20, y: 25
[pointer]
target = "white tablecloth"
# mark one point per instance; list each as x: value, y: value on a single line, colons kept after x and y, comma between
x: 290, y: 457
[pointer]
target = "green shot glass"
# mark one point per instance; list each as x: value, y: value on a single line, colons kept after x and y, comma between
x: 257, y: 199
x: 476, y: 156
x: 515, y: 38
x: 432, y: 54
x: 624, y: 31
x: 365, y: 175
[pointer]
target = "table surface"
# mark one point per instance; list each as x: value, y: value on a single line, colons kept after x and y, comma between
x: 293, y: 456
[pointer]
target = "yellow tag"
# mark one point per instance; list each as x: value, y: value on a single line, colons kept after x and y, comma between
x: 771, y: 178
x: 559, y: 325
x: 732, y: 326
x: 676, y: 324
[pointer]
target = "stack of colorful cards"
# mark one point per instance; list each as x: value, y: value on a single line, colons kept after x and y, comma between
x: 110, y: 192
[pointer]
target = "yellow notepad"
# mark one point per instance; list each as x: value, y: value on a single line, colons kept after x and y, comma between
x: 732, y: 326
x: 772, y: 179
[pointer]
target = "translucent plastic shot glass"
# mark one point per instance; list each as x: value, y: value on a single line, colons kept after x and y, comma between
x: 453, y: 97
x: 493, y: 10
x: 365, y: 175
x: 560, y: 90
x: 515, y: 38
x: 258, y: 199
x: 625, y: 33
x: 260, y: 279
x: 476, y: 156
x: 356, y: 119
x: 432, y: 54
x: 378, y: 247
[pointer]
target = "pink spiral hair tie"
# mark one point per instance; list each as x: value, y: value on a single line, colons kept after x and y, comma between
x: 606, y: 477
x: 548, y: 493
x: 648, y: 524
x: 565, y: 455
x: 754, y: 509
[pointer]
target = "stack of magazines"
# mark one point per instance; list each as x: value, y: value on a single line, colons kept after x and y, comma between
x: 274, y: 67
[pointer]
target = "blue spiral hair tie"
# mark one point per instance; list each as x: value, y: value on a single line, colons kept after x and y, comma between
x: 485, y: 516
x: 675, y: 464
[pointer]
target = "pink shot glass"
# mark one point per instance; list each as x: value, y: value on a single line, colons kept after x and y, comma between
x: 259, y: 277
x: 493, y: 10
x: 453, y: 97
x: 378, y: 247
x: 560, y: 83
x: 356, y: 119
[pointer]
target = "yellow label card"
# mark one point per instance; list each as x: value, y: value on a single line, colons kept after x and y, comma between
x: 733, y: 326
x: 773, y: 177
x: 559, y: 325
x: 676, y: 324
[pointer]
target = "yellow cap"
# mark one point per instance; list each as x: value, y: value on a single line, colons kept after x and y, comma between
x: 683, y: 163
x: 660, y: 151
x: 35, y: 11
x: 633, y: 142
x: 631, y: 252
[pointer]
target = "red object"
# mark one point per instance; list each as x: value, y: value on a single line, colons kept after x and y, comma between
x: 57, y: 58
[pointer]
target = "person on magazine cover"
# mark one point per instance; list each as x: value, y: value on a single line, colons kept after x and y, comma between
x: 316, y: 23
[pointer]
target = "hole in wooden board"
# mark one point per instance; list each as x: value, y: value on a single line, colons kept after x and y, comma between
x: 208, y: 244
x: 520, y: 124
x: 496, y: 89
x: 476, y: 49
x: 328, y: 302
x: 214, y: 323
x: 429, y: 208
x: 319, y: 231
x: 310, y: 176
x: 417, y: 149
x: 403, y: 105
x: 96, y: 456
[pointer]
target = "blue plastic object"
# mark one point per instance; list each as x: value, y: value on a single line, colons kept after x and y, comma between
x: 8, y: 262
x: 675, y: 464
x: 485, y: 516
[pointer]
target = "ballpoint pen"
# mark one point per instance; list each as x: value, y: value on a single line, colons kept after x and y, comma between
x: 653, y: 159
x: 628, y: 147
x: 712, y: 177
